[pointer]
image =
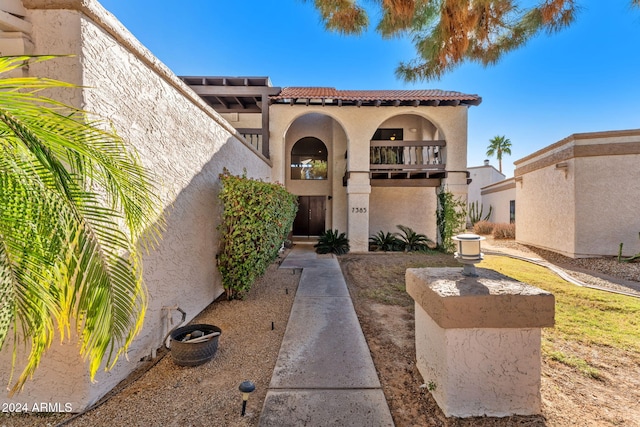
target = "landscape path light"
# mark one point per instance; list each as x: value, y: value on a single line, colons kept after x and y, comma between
x: 246, y: 387
x: 468, y: 253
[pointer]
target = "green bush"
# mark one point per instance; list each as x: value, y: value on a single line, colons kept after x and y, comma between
x: 483, y: 227
x: 504, y: 231
x: 332, y: 242
x: 452, y: 219
x: 256, y: 221
x: 384, y: 242
x: 412, y: 241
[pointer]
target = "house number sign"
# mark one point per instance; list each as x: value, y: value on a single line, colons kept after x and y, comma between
x: 358, y: 210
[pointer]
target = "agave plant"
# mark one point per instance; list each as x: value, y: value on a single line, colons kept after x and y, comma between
x: 332, y: 241
x: 76, y: 210
x: 385, y: 242
x: 412, y: 241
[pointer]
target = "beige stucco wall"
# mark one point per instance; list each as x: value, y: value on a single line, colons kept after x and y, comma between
x: 413, y: 207
x: 580, y: 196
x: 184, y: 141
x: 498, y: 196
x: 353, y: 129
x: 545, y: 203
x: 244, y: 120
x: 608, y: 204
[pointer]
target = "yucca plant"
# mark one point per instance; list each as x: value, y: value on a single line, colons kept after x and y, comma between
x: 412, y: 241
x: 385, y: 242
x: 76, y: 210
x: 332, y: 241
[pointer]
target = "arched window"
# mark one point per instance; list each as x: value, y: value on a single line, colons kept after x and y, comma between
x: 309, y: 159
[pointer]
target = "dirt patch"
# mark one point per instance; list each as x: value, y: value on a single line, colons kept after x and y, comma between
x: 608, y: 397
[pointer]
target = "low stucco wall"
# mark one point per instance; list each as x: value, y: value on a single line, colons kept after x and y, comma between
x: 498, y: 196
x: 180, y: 138
x: 580, y: 196
x: 478, y: 340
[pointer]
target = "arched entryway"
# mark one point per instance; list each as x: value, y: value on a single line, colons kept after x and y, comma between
x: 309, y: 162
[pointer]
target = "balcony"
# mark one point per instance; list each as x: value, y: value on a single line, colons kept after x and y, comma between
x: 254, y: 136
x: 407, y: 163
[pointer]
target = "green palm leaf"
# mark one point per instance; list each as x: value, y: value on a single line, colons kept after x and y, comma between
x: 76, y: 209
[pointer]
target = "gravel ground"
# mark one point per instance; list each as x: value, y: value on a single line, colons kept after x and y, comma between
x: 165, y: 394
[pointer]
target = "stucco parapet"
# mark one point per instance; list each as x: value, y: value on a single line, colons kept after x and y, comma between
x: 110, y: 24
x: 490, y: 300
x: 507, y: 184
x: 591, y: 138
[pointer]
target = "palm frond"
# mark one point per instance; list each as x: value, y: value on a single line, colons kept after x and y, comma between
x: 76, y: 208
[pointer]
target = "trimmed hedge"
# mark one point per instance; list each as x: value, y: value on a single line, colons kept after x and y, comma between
x: 257, y: 218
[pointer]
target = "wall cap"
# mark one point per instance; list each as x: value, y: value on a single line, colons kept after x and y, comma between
x: 490, y: 300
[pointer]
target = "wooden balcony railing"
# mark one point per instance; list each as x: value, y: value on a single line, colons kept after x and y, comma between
x: 406, y: 159
x: 254, y: 136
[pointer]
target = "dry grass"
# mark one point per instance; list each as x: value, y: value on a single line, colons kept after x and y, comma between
x: 591, y: 359
x: 504, y: 231
x: 483, y: 228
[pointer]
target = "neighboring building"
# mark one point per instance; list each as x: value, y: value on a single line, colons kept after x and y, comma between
x: 480, y: 177
x: 360, y: 161
x: 581, y: 196
x: 501, y: 196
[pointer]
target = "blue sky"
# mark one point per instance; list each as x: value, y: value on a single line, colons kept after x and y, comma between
x: 583, y: 79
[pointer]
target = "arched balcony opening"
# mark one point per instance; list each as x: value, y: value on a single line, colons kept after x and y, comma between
x: 407, y: 147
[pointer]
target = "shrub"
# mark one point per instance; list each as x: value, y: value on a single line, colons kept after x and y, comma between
x: 412, y: 241
x: 385, y: 242
x: 504, y: 231
x: 483, y: 227
x: 332, y: 242
x: 452, y: 219
x: 256, y: 220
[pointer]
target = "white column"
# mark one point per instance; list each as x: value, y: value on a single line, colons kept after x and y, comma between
x: 358, y: 191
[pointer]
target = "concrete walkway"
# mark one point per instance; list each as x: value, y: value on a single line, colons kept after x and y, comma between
x: 324, y: 375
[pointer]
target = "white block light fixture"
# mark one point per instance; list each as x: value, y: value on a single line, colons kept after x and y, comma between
x: 468, y: 252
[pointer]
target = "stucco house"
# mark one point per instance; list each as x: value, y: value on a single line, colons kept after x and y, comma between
x: 361, y: 161
x: 501, y: 196
x: 581, y: 196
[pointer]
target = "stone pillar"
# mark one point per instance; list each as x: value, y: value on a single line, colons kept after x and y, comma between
x: 358, y: 191
x: 478, y: 340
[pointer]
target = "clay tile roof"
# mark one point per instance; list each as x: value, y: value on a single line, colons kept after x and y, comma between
x: 330, y: 95
x: 307, y: 92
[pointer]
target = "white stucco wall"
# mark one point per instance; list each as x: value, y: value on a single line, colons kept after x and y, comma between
x: 180, y: 138
x: 481, y: 176
x: 498, y: 197
x: 580, y: 196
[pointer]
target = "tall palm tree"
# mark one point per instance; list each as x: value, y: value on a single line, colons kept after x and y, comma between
x: 76, y: 210
x: 499, y: 145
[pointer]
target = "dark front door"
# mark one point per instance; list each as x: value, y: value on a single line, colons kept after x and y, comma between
x: 310, y: 218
